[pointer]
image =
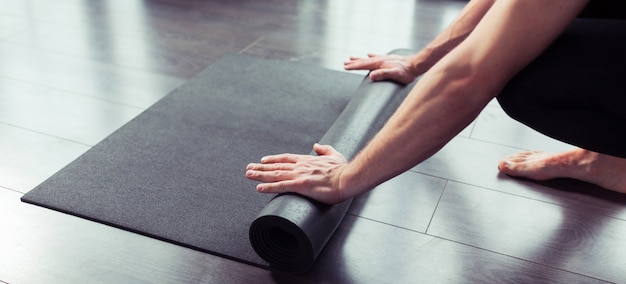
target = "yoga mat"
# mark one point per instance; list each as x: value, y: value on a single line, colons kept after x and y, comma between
x: 291, y: 230
x: 176, y: 171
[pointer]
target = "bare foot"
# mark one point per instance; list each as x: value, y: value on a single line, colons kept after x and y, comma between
x: 606, y: 171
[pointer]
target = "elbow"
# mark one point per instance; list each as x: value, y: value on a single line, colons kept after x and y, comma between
x: 468, y: 84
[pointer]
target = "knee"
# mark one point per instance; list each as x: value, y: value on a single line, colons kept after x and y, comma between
x: 514, y: 104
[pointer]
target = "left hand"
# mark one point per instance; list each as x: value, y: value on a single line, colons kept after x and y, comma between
x: 317, y: 177
x: 393, y: 67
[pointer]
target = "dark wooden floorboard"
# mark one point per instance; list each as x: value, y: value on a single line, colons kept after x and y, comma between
x: 571, y: 239
x: 389, y: 203
x: 475, y: 162
x: 364, y: 251
x: 73, y: 71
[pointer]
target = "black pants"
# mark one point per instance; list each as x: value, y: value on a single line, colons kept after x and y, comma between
x: 576, y: 90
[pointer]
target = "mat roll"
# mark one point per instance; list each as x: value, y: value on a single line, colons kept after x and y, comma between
x: 291, y: 231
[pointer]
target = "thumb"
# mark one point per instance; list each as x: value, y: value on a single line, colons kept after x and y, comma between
x: 377, y: 75
x: 324, y: 150
x: 385, y: 74
x: 391, y: 74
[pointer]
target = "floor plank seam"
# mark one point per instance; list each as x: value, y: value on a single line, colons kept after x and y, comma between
x: 92, y: 60
x: 46, y: 134
x: 251, y: 45
x: 436, y: 206
x: 69, y: 92
x: 490, y: 189
x: 473, y: 126
x: 75, y: 94
x: 515, y: 148
x: 482, y: 249
x: 385, y: 223
x: 14, y: 33
x: 11, y: 190
x: 534, y: 199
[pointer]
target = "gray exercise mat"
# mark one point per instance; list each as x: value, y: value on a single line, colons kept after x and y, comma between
x: 176, y: 172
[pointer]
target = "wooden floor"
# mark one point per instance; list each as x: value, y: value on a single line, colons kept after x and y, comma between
x: 73, y: 71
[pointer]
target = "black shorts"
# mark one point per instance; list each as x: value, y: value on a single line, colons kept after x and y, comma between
x: 576, y: 90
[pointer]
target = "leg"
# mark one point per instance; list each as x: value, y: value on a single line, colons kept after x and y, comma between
x: 575, y: 92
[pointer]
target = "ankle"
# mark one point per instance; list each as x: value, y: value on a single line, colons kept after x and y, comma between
x: 605, y: 170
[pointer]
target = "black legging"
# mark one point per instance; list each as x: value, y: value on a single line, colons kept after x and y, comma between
x: 576, y: 90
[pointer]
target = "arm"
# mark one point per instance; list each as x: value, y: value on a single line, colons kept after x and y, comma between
x: 511, y: 35
x: 405, y: 69
x: 447, y: 98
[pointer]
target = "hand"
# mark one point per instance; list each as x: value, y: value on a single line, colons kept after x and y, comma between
x: 385, y: 67
x: 317, y: 177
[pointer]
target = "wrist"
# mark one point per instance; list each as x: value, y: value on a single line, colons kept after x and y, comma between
x: 419, y: 62
x: 351, y: 183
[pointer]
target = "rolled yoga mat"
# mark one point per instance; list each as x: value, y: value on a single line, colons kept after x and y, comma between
x: 176, y: 171
x: 291, y: 231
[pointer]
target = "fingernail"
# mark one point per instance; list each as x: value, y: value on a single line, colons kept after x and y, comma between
x: 259, y: 188
x: 263, y: 159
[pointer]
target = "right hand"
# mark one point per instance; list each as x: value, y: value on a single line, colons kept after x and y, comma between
x: 318, y: 177
x: 385, y: 67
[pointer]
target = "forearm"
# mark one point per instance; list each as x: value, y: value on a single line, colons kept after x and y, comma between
x: 454, y: 91
x: 452, y: 36
x: 439, y: 107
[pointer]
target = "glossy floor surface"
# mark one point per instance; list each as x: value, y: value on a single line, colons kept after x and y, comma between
x: 73, y: 71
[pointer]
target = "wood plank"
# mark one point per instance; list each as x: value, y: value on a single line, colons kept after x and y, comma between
x: 28, y: 158
x: 475, y: 162
x: 364, y: 251
x: 408, y: 201
x: 12, y: 24
x: 574, y: 240
x: 495, y: 126
x: 335, y: 31
x: 131, y: 46
x: 67, y: 73
x: 82, y: 119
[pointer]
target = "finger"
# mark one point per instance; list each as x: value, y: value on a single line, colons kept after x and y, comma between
x: 363, y: 65
x: 369, y: 63
x: 270, y: 167
x: 378, y: 75
x: 373, y: 55
x: 352, y: 59
x: 279, y: 187
x: 269, y: 176
x: 282, y: 158
x: 355, y: 64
